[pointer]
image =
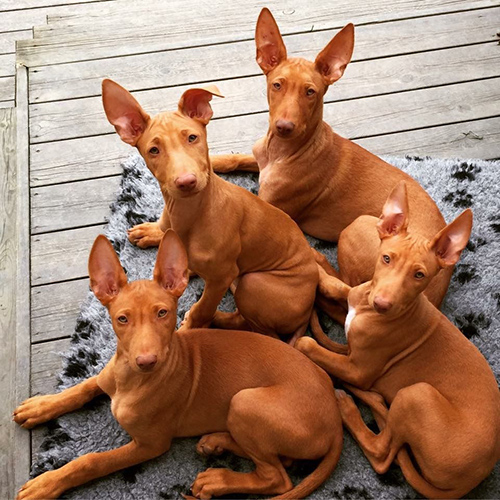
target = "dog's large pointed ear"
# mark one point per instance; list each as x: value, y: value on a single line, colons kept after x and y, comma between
x: 394, y: 218
x: 171, y: 269
x: 271, y: 50
x: 107, y: 276
x: 195, y: 103
x: 123, y: 112
x: 334, y: 58
x: 452, y: 239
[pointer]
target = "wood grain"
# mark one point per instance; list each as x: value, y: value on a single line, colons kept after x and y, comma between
x: 132, y: 33
x: 55, y: 121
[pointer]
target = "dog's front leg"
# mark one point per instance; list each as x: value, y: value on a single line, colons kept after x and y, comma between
x: 229, y: 163
x: 338, y: 365
x: 149, y: 234
x: 331, y: 286
x: 53, y: 483
x: 40, y: 409
x: 201, y: 314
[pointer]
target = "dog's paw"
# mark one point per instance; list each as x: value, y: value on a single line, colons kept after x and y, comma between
x: 209, y: 445
x: 209, y: 483
x: 145, y: 235
x: 47, y: 485
x: 306, y: 345
x: 346, y: 404
x: 35, y: 411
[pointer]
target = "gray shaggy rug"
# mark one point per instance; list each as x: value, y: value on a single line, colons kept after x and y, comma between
x: 472, y: 303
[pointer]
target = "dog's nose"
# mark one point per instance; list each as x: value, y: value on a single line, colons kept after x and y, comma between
x: 284, y: 127
x: 186, y: 182
x: 146, y: 362
x: 381, y: 305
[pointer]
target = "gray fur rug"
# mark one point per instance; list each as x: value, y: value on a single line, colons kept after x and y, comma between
x: 472, y: 303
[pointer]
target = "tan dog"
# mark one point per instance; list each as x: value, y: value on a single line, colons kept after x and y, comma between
x: 165, y: 384
x: 444, y: 399
x: 323, y: 181
x: 231, y: 235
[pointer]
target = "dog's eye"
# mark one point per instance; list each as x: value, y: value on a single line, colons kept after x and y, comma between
x: 162, y: 313
x: 154, y: 150
x: 192, y: 138
x: 310, y: 92
x: 387, y: 259
x: 419, y: 275
x: 122, y: 319
x: 277, y: 85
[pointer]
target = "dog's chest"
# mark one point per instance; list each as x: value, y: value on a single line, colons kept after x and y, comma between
x: 351, y: 314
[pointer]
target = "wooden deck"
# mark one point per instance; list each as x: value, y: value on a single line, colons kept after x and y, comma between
x: 425, y: 80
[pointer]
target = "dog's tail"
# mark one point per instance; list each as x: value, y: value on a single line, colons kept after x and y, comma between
x: 320, y: 474
x: 322, y: 338
x: 419, y: 483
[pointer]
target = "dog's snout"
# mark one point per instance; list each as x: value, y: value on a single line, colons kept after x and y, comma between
x: 146, y: 362
x: 381, y: 304
x: 186, y: 182
x: 284, y: 127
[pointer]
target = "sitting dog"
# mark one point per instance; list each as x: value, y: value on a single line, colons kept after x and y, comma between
x: 322, y: 180
x: 444, y: 399
x: 232, y: 237
x: 165, y: 384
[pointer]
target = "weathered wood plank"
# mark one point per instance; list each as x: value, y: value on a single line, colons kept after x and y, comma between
x: 25, y: 19
x: 71, y: 205
x: 7, y: 65
x: 62, y: 255
x: 364, y: 117
x: 8, y: 40
x: 8, y: 289
x: 54, y: 308
x: 124, y: 37
x: 54, y: 121
x: 180, y: 67
x: 475, y: 139
x: 7, y: 5
x: 7, y: 88
x: 7, y: 104
x: 21, y: 447
x: 46, y: 363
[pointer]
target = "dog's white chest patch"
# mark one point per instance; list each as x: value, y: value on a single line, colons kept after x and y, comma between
x: 351, y: 314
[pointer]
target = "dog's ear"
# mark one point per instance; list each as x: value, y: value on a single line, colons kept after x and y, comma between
x: 171, y: 269
x: 195, y: 103
x: 107, y: 276
x: 123, y: 112
x: 394, y: 218
x: 333, y: 59
x: 271, y: 50
x: 451, y: 240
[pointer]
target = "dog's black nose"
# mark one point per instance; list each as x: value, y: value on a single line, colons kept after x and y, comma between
x: 146, y: 362
x: 284, y: 127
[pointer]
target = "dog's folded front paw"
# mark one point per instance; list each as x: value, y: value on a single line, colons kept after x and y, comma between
x: 47, y: 485
x: 209, y: 483
x: 145, y: 235
x: 36, y: 410
x: 209, y: 445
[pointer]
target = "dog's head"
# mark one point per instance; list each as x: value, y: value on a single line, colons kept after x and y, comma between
x: 143, y: 312
x: 408, y: 262
x: 295, y: 86
x: 173, y: 144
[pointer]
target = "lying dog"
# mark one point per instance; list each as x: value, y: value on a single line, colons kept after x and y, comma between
x: 444, y: 399
x: 165, y: 384
x: 231, y: 236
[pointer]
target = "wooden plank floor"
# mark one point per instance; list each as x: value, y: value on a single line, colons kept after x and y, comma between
x: 424, y: 80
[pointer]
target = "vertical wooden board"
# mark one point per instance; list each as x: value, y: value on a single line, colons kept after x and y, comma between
x: 8, y: 289
x: 22, y: 438
x: 54, y: 308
